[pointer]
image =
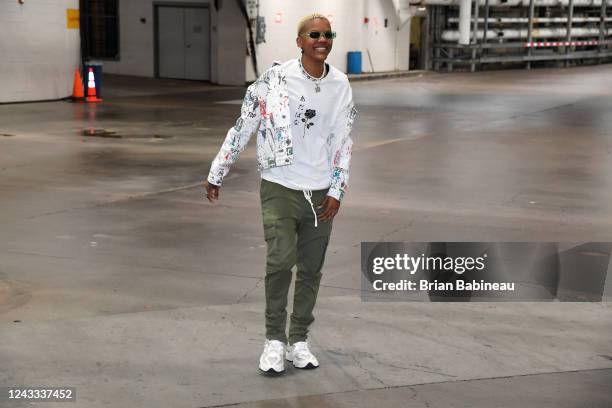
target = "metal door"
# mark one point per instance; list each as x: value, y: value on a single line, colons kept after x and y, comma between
x: 171, y: 40
x: 183, y: 38
x: 197, y: 43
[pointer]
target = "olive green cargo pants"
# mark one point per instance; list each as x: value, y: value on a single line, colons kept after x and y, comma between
x: 292, y: 239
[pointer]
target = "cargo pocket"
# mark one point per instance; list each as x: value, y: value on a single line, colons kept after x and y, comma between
x: 269, y: 230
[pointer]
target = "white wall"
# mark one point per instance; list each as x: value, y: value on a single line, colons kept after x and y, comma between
x: 231, y: 45
x: 38, y: 53
x: 137, y: 40
x: 388, y: 47
x: 39, y: 56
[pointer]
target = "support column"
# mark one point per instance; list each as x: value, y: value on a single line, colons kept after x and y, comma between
x: 602, y: 28
x: 485, y: 28
x: 465, y: 11
x: 569, y: 28
x: 475, y: 39
x: 530, y: 31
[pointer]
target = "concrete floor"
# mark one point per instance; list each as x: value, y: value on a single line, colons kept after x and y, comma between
x: 118, y: 278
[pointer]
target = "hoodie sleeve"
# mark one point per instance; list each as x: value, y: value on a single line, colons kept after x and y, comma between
x: 238, y: 136
x: 342, y: 145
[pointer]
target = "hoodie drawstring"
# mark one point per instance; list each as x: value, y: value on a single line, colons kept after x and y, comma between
x: 308, y: 195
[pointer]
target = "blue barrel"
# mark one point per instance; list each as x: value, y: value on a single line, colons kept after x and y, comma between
x: 353, y: 64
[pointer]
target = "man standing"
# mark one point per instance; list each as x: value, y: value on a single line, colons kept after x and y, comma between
x: 302, y: 111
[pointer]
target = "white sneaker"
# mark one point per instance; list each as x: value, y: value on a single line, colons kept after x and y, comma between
x: 272, y: 359
x: 300, y: 355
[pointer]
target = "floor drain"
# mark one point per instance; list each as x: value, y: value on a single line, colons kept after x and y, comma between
x: 99, y: 133
x: 93, y: 132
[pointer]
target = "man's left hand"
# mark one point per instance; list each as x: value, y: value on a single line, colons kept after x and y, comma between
x: 330, y: 207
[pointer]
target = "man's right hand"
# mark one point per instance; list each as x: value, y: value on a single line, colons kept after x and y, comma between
x: 212, y: 191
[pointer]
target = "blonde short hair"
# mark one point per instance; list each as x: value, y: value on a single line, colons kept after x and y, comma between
x: 308, y: 18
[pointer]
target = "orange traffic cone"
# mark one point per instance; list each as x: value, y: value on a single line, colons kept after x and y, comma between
x: 91, y: 87
x: 78, y: 93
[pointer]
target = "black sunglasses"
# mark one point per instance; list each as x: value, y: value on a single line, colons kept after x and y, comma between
x: 315, y: 35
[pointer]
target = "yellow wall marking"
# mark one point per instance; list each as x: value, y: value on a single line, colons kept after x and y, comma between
x: 72, y: 19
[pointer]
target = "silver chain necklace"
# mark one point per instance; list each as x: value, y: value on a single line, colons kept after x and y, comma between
x: 316, y: 80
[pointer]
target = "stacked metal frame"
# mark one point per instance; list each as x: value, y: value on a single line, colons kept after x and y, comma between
x: 501, y: 33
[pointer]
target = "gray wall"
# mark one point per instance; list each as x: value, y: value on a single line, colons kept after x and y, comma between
x: 137, y: 40
x: 38, y: 53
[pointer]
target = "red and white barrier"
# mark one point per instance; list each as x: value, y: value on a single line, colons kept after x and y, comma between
x: 559, y: 44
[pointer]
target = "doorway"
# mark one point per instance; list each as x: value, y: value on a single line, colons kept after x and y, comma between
x: 416, y: 60
x: 182, y: 38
